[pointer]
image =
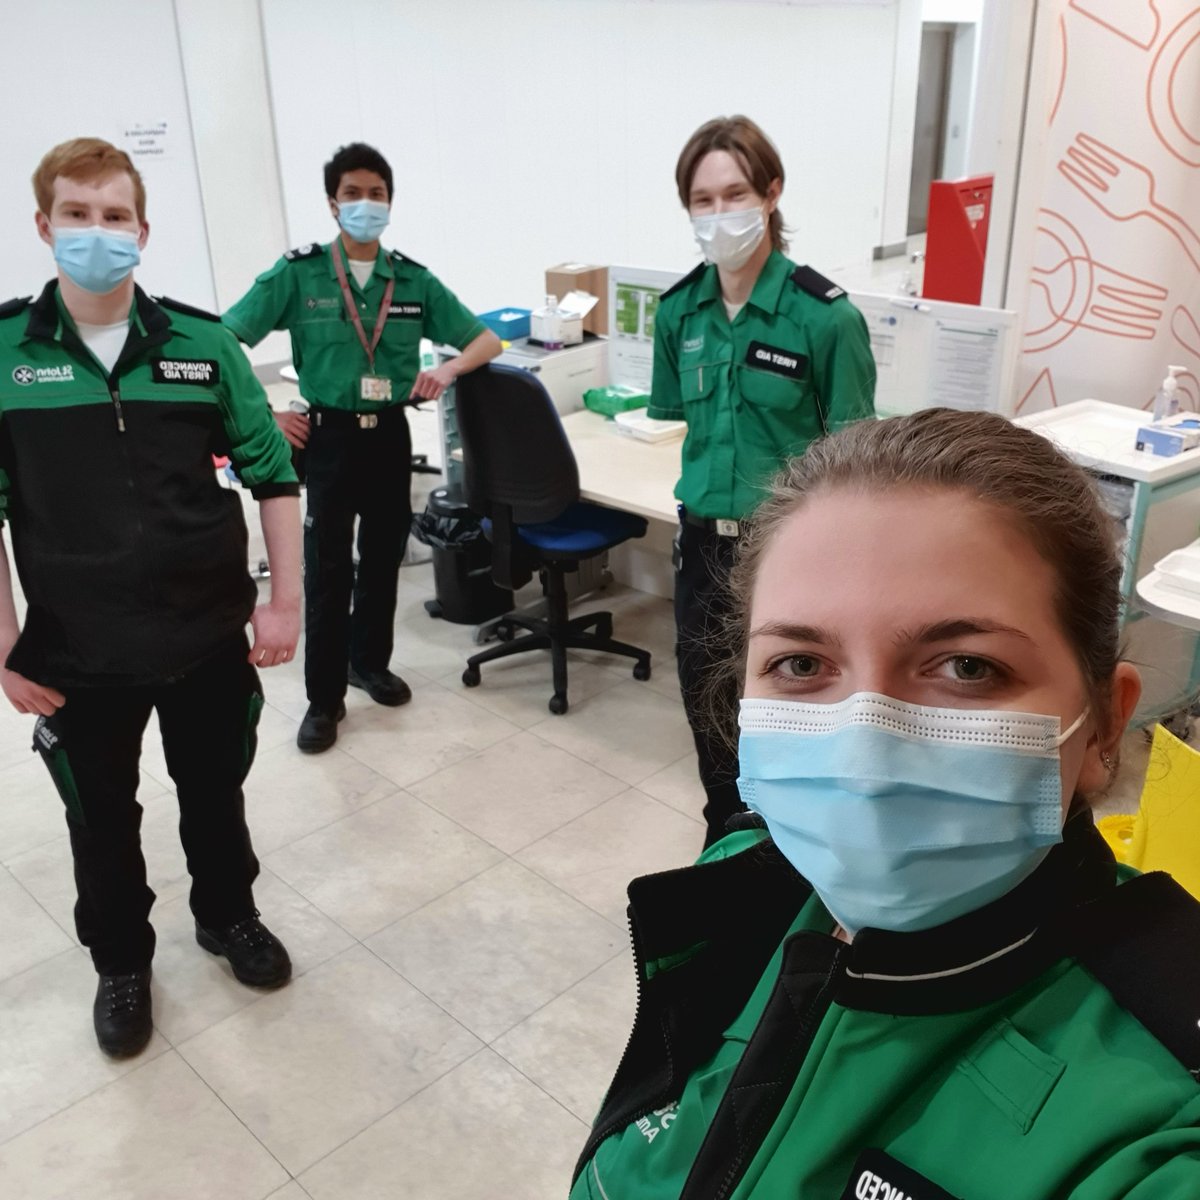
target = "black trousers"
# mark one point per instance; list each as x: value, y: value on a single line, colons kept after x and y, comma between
x: 701, y: 608
x: 364, y: 473
x: 209, y: 721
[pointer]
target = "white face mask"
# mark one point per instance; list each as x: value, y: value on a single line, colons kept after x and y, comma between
x: 730, y: 238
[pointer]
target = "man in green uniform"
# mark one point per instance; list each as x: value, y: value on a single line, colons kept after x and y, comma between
x: 760, y: 357
x: 356, y: 313
x: 132, y: 559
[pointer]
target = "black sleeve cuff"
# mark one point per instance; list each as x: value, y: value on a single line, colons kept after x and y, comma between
x: 268, y: 491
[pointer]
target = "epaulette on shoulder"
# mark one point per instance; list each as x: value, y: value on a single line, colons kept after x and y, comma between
x: 10, y: 308
x: 187, y: 309
x: 815, y: 284
x: 1145, y: 949
x: 412, y: 262
x: 310, y: 251
x: 690, y: 277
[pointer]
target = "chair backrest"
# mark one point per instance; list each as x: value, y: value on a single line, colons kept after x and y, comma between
x: 515, y: 453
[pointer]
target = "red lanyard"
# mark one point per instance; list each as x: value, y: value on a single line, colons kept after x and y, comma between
x: 352, y: 308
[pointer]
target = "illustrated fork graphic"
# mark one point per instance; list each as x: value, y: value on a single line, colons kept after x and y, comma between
x: 1124, y: 189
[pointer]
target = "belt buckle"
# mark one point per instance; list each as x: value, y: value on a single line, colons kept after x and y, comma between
x: 368, y: 420
x: 726, y: 528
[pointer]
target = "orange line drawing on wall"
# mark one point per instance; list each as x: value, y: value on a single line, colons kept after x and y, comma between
x: 1175, y: 70
x: 1124, y: 189
x: 1043, y: 388
x: 1062, y: 69
x: 1136, y: 21
x: 1070, y: 290
x: 1186, y: 329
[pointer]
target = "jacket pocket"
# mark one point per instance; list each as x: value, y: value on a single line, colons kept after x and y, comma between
x: 765, y: 389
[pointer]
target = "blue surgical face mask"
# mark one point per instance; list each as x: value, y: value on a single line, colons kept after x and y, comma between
x: 903, y: 817
x: 364, y: 220
x: 94, y: 258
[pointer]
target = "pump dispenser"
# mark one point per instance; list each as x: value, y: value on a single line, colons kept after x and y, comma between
x: 1166, y: 402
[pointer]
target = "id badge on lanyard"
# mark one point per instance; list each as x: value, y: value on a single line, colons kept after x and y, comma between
x: 372, y: 388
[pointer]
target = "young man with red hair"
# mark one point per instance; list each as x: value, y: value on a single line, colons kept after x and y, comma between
x: 132, y: 560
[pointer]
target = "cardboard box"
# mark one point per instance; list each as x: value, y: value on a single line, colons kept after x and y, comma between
x: 579, y: 277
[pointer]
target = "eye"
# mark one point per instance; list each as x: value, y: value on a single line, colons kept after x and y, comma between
x: 967, y: 668
x: 798, y: 666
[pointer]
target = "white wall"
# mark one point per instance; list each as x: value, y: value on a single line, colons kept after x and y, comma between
x: 72, y: 68
x: 549, y: 131
x: 225, y: 71
x: 953, y: 11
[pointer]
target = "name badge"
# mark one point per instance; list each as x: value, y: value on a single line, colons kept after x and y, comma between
x: 789, y: 363
x: 879, y: 1176
x: 376, y: 389
x: 406, y: 310
x: 185, y: 370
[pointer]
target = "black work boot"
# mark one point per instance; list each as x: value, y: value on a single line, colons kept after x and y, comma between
x: 121, y: 1013
x: 257, y: 956
x: 318, y: 730
x: 382, y: 686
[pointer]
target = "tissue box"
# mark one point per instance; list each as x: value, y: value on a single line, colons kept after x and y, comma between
x: 554, y: 327
x: 507, y: 323
x: 1170, y: 437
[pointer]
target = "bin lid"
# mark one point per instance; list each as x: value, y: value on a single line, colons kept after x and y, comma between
x: 447, y: 502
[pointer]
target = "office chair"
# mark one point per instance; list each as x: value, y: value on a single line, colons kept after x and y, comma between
x: 520, y: 476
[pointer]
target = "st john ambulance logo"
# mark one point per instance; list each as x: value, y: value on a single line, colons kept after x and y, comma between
x: 23, y: 375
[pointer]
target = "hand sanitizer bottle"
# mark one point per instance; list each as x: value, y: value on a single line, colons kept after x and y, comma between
x: 1166, y: 402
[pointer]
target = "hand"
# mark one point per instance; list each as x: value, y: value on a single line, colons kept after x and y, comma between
x: 431, y: 384
x: 294, y: 426
x: 276, y: 632
x: 29, y: 697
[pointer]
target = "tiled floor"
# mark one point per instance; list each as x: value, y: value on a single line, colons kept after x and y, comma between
x: 450, y: 882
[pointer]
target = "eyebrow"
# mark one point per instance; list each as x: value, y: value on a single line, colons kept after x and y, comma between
x: 797, y: 633
x: 947, y: 631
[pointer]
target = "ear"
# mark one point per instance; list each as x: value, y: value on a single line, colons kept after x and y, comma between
x: 1095, y: 774
x: 333, y: 207
x: 44, y: 228
x: 143, y: 234
x: 774, y: 191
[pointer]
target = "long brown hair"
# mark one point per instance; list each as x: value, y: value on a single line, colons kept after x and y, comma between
x: 753, y: 150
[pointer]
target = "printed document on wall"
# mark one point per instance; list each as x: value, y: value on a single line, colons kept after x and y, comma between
x: 966, y: 365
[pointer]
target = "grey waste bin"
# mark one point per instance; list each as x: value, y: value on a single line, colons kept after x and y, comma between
x: 462, y: 561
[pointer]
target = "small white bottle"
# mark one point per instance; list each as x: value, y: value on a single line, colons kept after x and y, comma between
x: 1166, y: 401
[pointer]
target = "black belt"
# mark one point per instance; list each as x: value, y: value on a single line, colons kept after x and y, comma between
x: 338, y: 418
x: 721, y: 526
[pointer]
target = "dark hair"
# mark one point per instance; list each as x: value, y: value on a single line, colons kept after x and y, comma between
x: 357, y: 156
x: 1016, y: 471
x: 753, y: 150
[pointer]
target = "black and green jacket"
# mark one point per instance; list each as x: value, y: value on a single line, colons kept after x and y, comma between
x: 131, y: 555
x: 1045, y: 1047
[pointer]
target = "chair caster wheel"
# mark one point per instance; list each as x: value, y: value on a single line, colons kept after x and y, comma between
x: 641, y: 670
x: 470, y: 677
x: 558, y: 704
x: 505, y: 633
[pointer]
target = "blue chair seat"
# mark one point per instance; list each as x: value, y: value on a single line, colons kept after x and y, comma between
x: 582, y: 529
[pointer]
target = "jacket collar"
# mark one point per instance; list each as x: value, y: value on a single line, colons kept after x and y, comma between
x: 383, y: 262
x: 49, y: 321
x: 768, y: 287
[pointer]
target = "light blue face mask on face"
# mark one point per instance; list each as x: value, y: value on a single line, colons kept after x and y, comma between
x: 364, y: 220
x: 903, y: 817
x: 94, y: 258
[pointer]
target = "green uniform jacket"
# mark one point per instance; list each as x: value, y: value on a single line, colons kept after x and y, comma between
x: 301, y: 294
x: 131, y: 555
x: 1042, y: 1048
x: 794, y: 364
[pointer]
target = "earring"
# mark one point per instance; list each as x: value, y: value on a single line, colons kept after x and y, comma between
x: 1107, y: 760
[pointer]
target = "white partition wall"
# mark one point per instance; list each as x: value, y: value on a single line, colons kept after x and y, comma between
x: 74, y: 68
x: 538, y: 131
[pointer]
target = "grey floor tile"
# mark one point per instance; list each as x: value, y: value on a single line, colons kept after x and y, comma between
x: 373, y: 867
x: 518, y: 942
x: 481, y: 1132
x: 30, y: 935
x: 308, y: 1067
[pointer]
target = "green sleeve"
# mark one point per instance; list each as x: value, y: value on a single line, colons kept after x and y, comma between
x: 844, y: 368
x: 264, y: 307
x: 260, y: 453
x: 447, y: 319
x: 666, y: 403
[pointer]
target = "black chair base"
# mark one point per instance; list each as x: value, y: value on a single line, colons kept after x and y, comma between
x: 557, y: 633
